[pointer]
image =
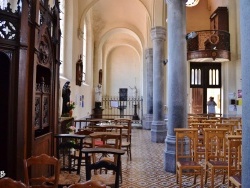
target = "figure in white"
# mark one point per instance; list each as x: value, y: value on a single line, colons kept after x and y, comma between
x: 211, y: 105
x: 134, y: 90
x: 98, y: 93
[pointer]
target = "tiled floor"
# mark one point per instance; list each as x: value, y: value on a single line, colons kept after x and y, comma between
x: 146, y: 168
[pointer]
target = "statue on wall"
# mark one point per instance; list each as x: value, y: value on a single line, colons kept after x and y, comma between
x: 134, y: 91
x: 66, y: 97
x: 100, y: 76
x: 98, y: 93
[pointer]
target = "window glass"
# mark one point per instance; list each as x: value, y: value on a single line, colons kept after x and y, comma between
x: 84, y: 52
x: 62, y: 10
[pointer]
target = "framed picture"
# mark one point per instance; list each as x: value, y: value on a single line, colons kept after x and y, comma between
x: 82, y: 101
x: 123, y: 94
x: 240, y: 93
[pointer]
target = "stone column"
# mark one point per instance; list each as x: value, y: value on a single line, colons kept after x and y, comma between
x: 245, y: 66
x: 158, y: 127
x: 176, y: 76
x: 149, y: 89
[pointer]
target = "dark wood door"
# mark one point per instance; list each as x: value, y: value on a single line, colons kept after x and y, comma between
x: 4, y: 110
x: 202, y: 77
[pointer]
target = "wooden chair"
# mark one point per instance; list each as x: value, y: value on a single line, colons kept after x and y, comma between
x: 238, y: 131
x: 186, y: 155
x: 126, y: 134
x: 201, y: 143
x: 87, y: 184
x: 85, y: 132
x: 95, y: 128
x: 41, y: 171
x: 86, y: 144
x: 66, y: 147
x: 192, y: 120
x: 10, y: 183
x: 201, y: 118
x: 110, y: 140
x: 215, y: 153
x: 234, y: 160
x: 211, y: 121
x: 228, y: 126
x: 236, y: 122
x: 215, y: 118
x: 103, y: 164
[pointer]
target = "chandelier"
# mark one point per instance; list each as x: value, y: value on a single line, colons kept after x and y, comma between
x: 192, y: 3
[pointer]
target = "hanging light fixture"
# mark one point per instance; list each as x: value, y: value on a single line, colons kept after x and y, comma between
x: 192, y: 3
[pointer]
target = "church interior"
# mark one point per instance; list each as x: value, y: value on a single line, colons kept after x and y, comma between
x: 70, y: 64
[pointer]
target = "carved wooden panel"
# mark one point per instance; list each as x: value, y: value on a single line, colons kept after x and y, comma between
x: 197, y: 100
x: 45, y: 111
x: 43, y: 145
x: 38, y: 112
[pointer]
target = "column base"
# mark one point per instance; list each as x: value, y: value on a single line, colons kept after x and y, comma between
x: 158, y: 131
x: 147, y: 121
x: 170, y: 154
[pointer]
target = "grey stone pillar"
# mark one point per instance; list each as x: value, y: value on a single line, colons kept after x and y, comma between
x: 158, y: 127
x: 177, y: 76
x: 245, y: 66
x: 149, y: 89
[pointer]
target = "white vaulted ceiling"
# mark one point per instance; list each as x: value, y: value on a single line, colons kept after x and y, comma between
x: 126, y: 25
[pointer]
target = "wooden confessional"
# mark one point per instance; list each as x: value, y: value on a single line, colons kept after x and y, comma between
x: 29, y: 84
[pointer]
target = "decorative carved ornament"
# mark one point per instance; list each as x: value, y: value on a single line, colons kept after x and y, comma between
x: 45, y: 111
x: 8, y: 30
x: 44, y: 52
x: 214, y: 39
x: 37, y: 111
x: 214, y: 54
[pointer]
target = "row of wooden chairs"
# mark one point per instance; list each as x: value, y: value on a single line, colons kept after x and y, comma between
x: 233, y: 120
x: 101, y: 137
x: 72, y: 150
x: 222, y: 155
x: 126, y: 131
x: 116, y: 135
x: 231, y: 127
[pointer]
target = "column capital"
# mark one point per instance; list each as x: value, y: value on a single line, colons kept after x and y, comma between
x: 149, y: 52
x: 170, y: 1
x: 158, y: 32
x: 173, y: 1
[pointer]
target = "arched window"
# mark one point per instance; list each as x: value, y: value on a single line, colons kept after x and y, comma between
x: 62, y: 20
x: 3, y: 4
x: 84, y: 58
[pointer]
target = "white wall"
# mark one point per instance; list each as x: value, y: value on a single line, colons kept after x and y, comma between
x: 72, y: 50
x: 123, y: 71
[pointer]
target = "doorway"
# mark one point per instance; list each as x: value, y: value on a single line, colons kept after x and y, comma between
x: 4, y: 109
x: 205, y: 81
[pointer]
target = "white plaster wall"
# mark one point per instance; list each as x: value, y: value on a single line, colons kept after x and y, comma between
x: 159, y: 18
x: 72, y: 50
x: 198, y: 17
x: 123, y: 71
x: 214, y: 4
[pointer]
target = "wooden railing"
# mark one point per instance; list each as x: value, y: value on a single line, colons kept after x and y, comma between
x: 208, y: 44
x: 114, y: 108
